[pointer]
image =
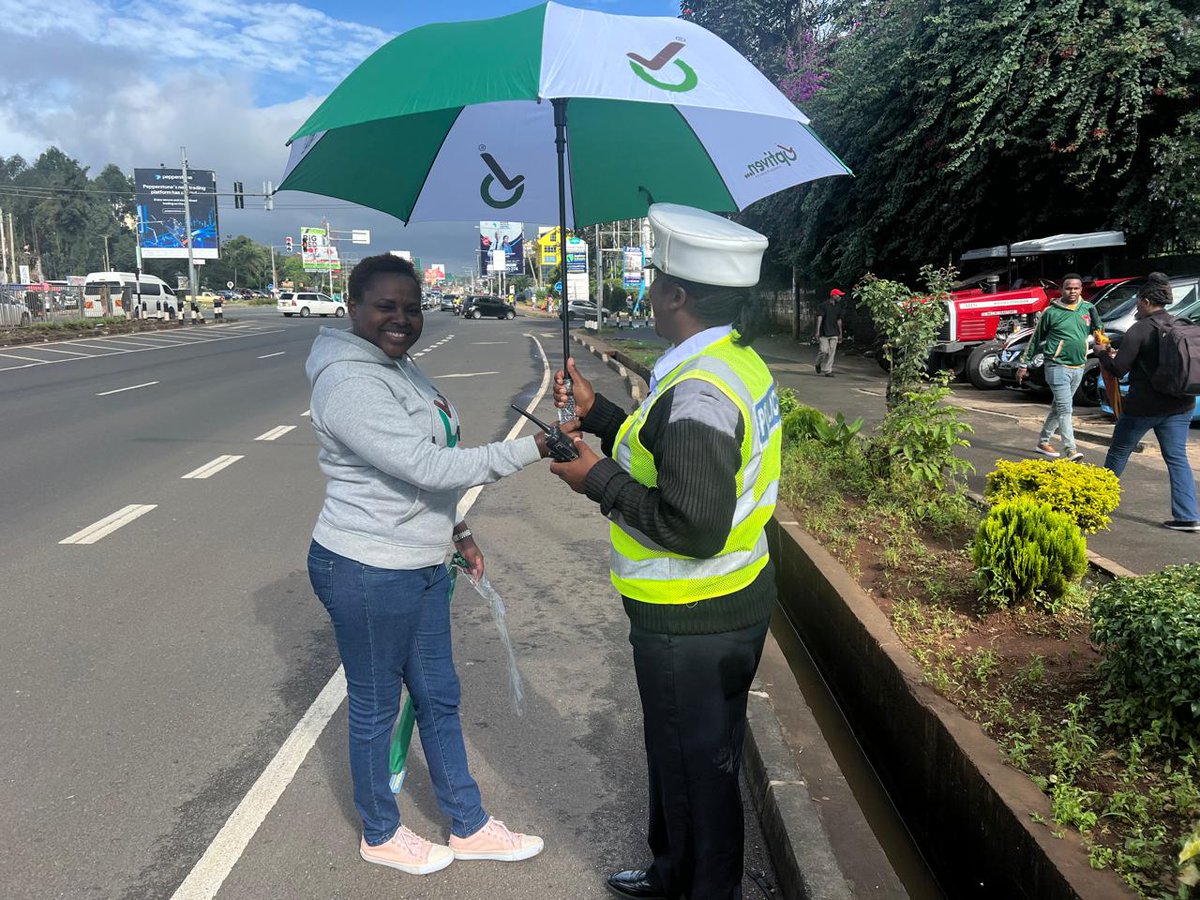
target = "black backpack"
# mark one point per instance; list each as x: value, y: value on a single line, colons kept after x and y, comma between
x: 1178, y: 372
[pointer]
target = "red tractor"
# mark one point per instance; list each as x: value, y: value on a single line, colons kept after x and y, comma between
x: 981, y: 314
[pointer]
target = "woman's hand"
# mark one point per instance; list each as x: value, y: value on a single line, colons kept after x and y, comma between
x: 576, y: 471
x: 473, y: 555
x: 580, y: 386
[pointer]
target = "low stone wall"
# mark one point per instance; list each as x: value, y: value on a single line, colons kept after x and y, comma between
x: 969, y: 811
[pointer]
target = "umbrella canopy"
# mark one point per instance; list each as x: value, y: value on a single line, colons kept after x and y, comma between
x: 456, y: 122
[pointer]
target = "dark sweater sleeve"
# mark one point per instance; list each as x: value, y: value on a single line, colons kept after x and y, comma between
x: 697, y: 455
x: 604, y: 420
x: 1131, y: 346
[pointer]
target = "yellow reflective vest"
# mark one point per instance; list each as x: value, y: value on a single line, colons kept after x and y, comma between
x: 642, y: 569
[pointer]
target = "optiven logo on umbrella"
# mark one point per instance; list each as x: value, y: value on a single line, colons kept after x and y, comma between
x: 772, y: 159
x: 640, y: 65
x: 514, y: 184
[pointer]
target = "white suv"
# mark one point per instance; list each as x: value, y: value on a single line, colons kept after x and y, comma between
x: 307, y: 303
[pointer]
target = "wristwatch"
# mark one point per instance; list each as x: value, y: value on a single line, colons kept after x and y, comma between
x: 460, y: 536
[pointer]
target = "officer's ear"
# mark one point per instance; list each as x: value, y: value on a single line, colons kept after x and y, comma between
x: 676, y: 297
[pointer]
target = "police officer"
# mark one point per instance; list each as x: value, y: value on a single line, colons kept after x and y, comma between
x: 689, y: 481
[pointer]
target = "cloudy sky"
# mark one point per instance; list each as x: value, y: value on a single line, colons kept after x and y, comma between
x: 131, y: 81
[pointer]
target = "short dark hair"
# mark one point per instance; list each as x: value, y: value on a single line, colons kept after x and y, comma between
x: 1071, y: 275
x: 383, y: 264
x: 717, y: 305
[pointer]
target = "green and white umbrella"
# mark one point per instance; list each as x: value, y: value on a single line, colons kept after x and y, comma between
x: 456, y: 121
x: 469, y: 120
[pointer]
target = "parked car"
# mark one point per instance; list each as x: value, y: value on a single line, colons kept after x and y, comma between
x: 1189, y: 310
x: 13, y: 310
x: 1118, y: 304
x: 584, y: 309
x: 479, y: 305
x: 309, y: 303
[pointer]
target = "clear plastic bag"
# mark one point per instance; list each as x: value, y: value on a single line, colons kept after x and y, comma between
x: 515, y: 687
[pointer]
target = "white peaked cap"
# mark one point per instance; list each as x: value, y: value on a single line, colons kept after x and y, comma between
x: 699, y: 246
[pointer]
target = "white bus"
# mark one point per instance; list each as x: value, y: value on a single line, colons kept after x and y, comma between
x: 147, y: 298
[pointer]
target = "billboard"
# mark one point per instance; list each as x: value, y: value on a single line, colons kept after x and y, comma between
x: 161, y: 229
x: 506, y: 236
x: 435, y: 274
x: 577, y: 269
x: 634, y: 264
x: 317, y: 252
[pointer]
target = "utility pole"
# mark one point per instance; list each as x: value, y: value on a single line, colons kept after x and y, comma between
x: 12, y: 245
x: 274, y: 277
x: 187, y: 224
x: 107, y: 264
x: 3, y: 250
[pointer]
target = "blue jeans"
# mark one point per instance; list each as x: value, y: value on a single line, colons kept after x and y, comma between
x: 1172, y: 434
x: 393, y: 626
x: 1063, y: 382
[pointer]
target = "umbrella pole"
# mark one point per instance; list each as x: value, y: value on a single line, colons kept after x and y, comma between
x: 560, y: 145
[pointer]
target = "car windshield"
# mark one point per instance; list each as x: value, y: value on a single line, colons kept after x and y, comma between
x: 1117, y: 300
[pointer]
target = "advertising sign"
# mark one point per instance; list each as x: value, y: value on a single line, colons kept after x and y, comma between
x: 577, y: 255
x: 634, y: 264
x: 317, y: 252
x: 506, y: 236
x: 547, y: 247
x: 162, y: 232
x: 435, y: 274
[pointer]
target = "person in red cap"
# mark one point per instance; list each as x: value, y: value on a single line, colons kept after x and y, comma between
x: 829, y: 331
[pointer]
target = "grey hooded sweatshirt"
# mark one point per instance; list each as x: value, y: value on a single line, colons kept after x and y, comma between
x: 389, y: 453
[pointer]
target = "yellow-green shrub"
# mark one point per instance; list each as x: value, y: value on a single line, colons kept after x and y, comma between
x: 1024, y: 551
x: 1088, y: 494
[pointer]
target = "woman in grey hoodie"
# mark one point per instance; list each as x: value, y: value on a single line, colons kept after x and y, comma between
x: 395, y: 475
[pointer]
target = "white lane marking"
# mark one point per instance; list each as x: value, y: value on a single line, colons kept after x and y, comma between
x: 212, y: 468
x: 488, y: 343
x: 109, y: 524
x: 56, y: 350
x: 276, y: 432
x: 206, y: 877
x: 32, y: 359
x: 132, y: 387
x: 25, y: 366
x: 269, y: 355
x: 306, y: 414
x: 466, y: 375
x: 110, y: 350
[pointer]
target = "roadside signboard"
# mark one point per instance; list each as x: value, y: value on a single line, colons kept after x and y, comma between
x: 317, y: 252
x: 506, y: 236
x: 161, y: 225
x: 634, y: 264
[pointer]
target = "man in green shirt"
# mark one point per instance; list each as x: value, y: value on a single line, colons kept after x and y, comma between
x: 1061, y: 335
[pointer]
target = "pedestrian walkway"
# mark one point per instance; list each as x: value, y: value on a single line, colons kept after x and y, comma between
x: 1006, y: 426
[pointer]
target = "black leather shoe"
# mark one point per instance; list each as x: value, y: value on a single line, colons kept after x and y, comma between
x: 636, y: 884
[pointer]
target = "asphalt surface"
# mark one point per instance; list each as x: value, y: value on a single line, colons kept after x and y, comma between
x: 151, y: 677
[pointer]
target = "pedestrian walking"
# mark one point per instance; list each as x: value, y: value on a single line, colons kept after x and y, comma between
x: 1061, y: 335
x: 1146, y: 408
x: 394, y: 476
x: 689, y: 480
x: 829, y: 331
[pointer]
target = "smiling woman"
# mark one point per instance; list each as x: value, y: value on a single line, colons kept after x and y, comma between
x: 395, y: 474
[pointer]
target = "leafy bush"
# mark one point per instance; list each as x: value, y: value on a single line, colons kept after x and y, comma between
x: 787, y: 401
x: 1086, y: 493
x: 801, y: 423
x: 917, y: 439
x: 1148, y: 630
x: 838, y: 434
x: 1024, y: 551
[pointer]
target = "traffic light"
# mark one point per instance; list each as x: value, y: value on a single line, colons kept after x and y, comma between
x: 239, y: 197
x: 287, y: 243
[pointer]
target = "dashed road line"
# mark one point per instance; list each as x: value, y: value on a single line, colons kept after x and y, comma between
x: 306, y: 414
x: 269, y: 355
x: 277, y: 432
x: 212, y: 468
x: 109, y: 524
x: 114, y: 347
x: 132, y: 387
x: 466, y: 375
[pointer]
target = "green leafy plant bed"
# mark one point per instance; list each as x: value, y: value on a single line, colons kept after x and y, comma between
x: 1029, y: 672
x: 41, y: 332
x: 642, y: 352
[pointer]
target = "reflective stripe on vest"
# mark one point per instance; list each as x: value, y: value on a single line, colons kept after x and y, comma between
x: 644, y: 570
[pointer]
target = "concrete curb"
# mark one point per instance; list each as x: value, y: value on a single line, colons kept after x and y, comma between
x: 797, y: 838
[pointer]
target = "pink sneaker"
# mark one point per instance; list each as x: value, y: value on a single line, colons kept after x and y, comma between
x: 407, y: 852
x: 495, y: 841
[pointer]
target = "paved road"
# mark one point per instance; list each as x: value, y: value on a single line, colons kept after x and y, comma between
x: 153, y: 667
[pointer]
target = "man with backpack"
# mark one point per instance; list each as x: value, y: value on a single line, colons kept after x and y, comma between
x: 1161, y: 354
